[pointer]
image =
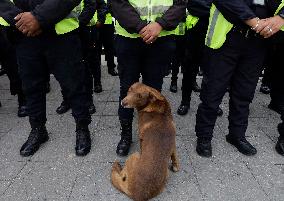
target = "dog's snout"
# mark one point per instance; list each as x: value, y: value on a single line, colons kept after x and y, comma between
x: 123, y: 103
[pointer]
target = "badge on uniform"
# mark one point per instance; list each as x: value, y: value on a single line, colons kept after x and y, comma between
x: 259, y: 2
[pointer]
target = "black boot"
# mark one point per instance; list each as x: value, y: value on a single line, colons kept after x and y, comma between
x: 92, y: 109
x: 204, y: 147
x: 83, y: 140
x: 47, y: 87
x: 280, y: 143
x: 98, y: 88
x: 63, y: 108
x: 280, y: 146
x: 196, y: 87
x: 126, y: 138
x: 2, y: 71
x: 276, y: 108
x: 183, y: 109
x: 22, y: 110
x: 265, y: 89
x: 173, y: 87
x: 37, y: 136
x: 242, y: 145
x: 220, y: 112
x: 112, y: 72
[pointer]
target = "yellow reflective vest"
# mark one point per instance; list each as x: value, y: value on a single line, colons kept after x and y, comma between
x: 3, y: 22
x: 149, y: 11
x: 219, y: 27
x: 70, y: 23
x: 191, y: 21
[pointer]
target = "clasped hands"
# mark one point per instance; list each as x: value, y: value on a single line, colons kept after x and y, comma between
x: 151, y: 32
x: 28, y: 24
x: 266, y: 27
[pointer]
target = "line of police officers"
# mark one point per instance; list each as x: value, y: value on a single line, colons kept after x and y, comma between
x: 60, y: 37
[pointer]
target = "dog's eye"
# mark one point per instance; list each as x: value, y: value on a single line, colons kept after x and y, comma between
x: 139, y: 96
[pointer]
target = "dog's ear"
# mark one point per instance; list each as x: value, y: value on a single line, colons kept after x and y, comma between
x: 155, y: 95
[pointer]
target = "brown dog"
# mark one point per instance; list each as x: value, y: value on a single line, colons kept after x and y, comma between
x: 144, y: 175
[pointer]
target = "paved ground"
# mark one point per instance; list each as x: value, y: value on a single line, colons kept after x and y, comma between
x: 55, y: 173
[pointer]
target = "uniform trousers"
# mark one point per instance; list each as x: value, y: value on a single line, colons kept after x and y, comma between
x: 61, y: 55
x: 238, y: 64
x: 136, y: 58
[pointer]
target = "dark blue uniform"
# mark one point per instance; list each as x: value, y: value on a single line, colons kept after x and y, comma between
x: 237, y: 64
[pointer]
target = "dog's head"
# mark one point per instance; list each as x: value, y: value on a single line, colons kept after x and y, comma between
x: 141, y: 97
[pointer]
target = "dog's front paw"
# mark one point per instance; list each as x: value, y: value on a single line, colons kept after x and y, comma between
x: 175, y: 168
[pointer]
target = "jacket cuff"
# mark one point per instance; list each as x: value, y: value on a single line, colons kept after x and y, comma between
x: 162, y: 22
x: 41, y: 21
x: 140, y: 26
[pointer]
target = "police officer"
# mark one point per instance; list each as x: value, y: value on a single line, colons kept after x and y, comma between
x: 144, y: 45
x: 9, y: 63
x: 88, y: 34
x: 49, y: 40
x: 271, y: 30
x: 196, y: 24
x: 179, y: 56
x: 106, y: 40
x: 234, y: 58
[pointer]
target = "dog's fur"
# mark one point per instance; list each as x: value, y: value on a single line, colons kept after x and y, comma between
x: 144, y: 175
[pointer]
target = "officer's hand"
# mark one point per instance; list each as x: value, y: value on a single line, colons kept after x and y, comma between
x: 28, y: 24
x: 273, y: 25
x: 151, y: 32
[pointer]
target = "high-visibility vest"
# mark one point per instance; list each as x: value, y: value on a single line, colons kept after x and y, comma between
x: 70, y: 23
x: 278, y: 10
x: 191, y: 21
x: 149, y: 10
x: 180, y: 30
x: 108, y: 17
x: 219, y: 27
x: 3, y: 22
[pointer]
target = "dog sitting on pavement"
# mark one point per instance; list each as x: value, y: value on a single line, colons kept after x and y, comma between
x: 145, y: 174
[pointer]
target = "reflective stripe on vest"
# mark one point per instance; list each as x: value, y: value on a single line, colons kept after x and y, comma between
x: 3, y: 22
x: 70, y: 23
x: 278, y: 10
x: 180, y: 30
x: 217, y: 29
x: 149, y: 13
x: 191, y: 21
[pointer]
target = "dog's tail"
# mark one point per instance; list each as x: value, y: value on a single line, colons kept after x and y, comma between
x: 118, y: 179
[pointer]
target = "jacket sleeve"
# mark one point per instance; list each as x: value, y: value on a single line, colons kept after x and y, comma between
x: 102, y: 10
x: 127, y: 16
x: 88, y: 11
x: 52, y: 11
x: 174, y: 15
x: 9, y: 11
x: 199, y: 8
x: 235, y: 11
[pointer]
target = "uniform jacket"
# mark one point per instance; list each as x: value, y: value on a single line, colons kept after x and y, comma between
x: 90, y: 7
x: 129, y: 18
x: 237, y: 11
x: 199, y: 8
x: 47, y: 12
